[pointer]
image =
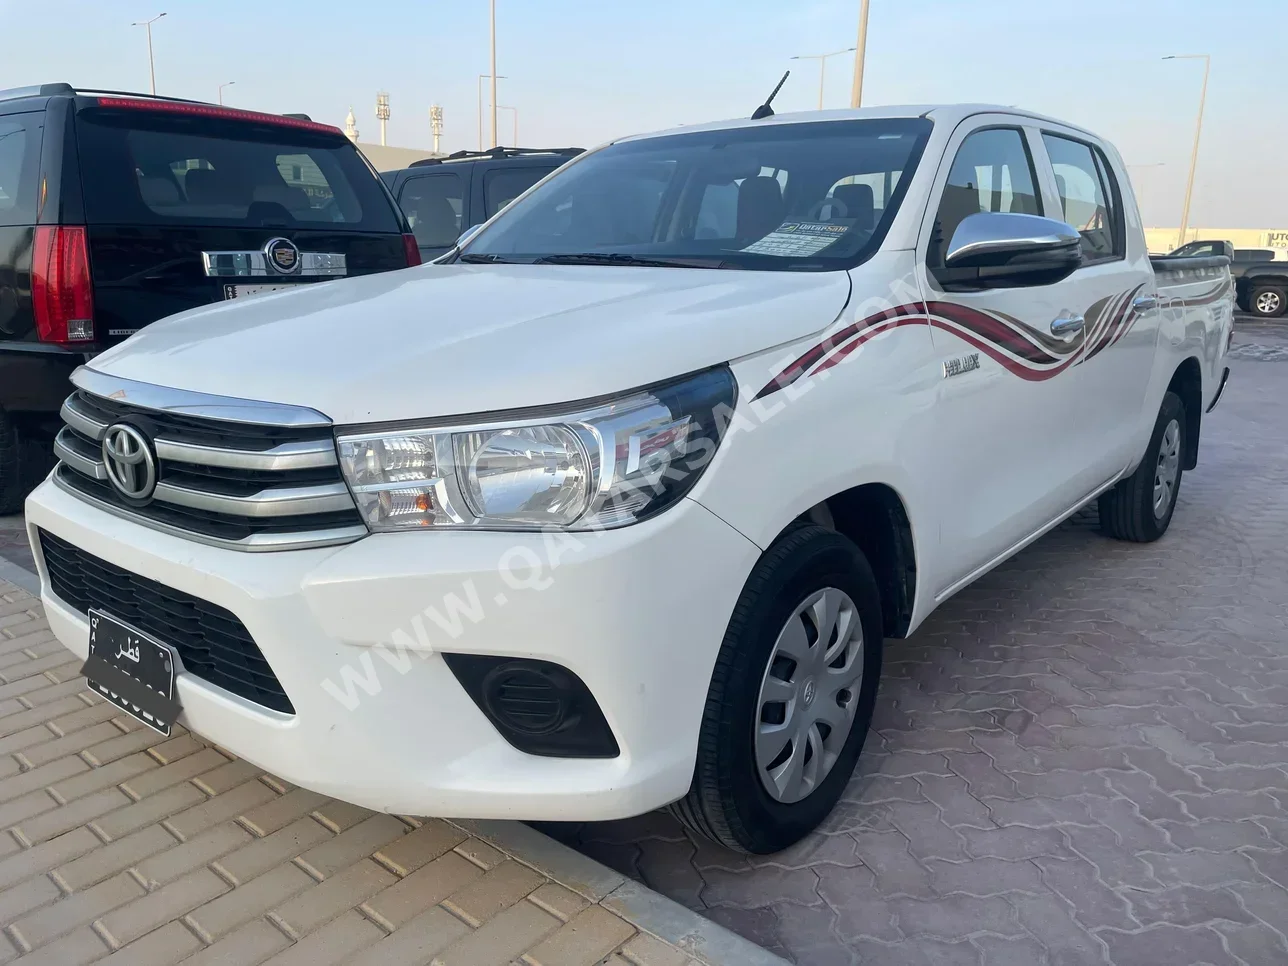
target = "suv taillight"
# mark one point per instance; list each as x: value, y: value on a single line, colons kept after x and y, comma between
x: 61, y: 291
x: 411, y: 250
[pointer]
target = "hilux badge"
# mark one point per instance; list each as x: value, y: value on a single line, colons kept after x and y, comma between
x: 955, y: 367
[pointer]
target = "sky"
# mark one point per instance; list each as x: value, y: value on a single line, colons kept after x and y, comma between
x: 581, y: 72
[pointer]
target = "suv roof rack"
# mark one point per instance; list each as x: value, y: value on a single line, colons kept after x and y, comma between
x: 36, y: 90
x: 496, y: 154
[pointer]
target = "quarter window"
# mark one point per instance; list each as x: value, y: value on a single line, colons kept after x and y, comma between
x: 19, y: 146
x: 433, y: 205
x: 993, y: 171
x: 503, y: 185
x: 1083, y: 181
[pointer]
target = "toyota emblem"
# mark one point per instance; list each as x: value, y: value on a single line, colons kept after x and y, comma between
x: 131, y: 467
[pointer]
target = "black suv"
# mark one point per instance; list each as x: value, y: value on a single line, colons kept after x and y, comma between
x: 442, y: 197
x: 119, y: 209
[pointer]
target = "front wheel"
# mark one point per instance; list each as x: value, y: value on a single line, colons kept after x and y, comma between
x: 1268, y: 301
x: 791, y: 695
x: 1140, y: 507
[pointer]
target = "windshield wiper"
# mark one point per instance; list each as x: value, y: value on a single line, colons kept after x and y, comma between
x: 622, y: 258
x: 479, y: 259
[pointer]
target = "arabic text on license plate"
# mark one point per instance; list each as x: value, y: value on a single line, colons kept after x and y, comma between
x: 232, y: 291
x: 132, y: 670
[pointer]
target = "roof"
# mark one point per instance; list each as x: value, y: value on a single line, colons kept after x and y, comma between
x: 949, y: 114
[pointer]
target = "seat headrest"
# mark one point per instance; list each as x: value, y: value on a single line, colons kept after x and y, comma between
x: 158, y: 192
x: 855, y: 201
x: 760, y: 207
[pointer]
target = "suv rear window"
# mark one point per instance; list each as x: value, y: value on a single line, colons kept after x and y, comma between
x: 19, y: 150
x: 146, y: 169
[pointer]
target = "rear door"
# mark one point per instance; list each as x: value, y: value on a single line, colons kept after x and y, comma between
x: 1114, y: 291
x: 434, y: 204
x: 187, y: 205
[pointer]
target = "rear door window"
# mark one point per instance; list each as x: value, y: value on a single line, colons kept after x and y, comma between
x: 1086, y: 193
x: 433, y: 203
x: 503, y: 184
x: 19, y: 161
x: 144, y: 169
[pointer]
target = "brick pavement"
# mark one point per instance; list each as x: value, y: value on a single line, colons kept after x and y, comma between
x: 1083, y: 758
x: 121, y: 847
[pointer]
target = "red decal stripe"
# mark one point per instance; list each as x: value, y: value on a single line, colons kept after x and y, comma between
x: 994, y: 330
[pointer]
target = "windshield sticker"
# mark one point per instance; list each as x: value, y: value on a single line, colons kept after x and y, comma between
x: 797, y: 238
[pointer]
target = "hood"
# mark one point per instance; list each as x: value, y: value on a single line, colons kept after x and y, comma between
x: 443, y: 340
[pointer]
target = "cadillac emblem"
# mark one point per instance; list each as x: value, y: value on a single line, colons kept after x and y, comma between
x: 282, y: 256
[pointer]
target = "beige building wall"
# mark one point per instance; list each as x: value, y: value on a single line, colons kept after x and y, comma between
x: 391, y: 159
x: 1162, y: 240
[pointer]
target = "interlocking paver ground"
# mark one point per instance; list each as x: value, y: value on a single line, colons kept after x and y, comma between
x: 122, y: 847
x: 1083, y: 758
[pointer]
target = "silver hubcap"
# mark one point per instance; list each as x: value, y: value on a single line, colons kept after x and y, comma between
x: 1268, y: 302
x: 1168, y: 469
x: 809, y: 695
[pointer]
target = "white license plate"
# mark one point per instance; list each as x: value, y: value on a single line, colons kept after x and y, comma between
x: 250, y: 291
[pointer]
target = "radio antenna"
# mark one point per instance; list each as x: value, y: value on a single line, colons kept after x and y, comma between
x: 765, y: 110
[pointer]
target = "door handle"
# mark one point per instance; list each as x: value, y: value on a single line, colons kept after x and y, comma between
x: 1145, y: 303
x: 1067, y: 326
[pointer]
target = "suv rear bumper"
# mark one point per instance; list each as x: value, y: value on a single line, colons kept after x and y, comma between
x: 637, y: 613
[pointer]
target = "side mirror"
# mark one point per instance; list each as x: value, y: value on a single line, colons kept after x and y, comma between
x: 466, y: 235
x: 1003, y: 250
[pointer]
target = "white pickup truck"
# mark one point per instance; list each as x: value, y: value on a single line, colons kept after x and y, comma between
x: 616, y: 508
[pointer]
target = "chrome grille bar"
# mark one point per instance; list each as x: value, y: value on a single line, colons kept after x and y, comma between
x: 274, y: 502
x: 287, y: 456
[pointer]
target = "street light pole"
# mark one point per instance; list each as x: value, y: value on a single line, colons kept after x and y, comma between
x: 147, y: 25
x: 494, y: 80
x: 493, y: 12
x: 1198, y: 131
x: 856, y: 92
x: 822, y: 68
x: 221, y: 90
x: 504, y: 107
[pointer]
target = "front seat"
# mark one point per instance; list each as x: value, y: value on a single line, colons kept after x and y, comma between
x: 760, y: 208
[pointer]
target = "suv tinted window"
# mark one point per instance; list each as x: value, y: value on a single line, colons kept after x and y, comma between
x: 433, y: 204
x: 992, y: 171
x: 503, y: 185
x: 19, y: 158
x: 1086, y: 195
x: 652, y: 197
x: 147, y: 169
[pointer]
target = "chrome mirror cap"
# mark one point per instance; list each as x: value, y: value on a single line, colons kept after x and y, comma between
x: 986, y: 236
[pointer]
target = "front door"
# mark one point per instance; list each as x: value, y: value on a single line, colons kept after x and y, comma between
x: 1011, y: 426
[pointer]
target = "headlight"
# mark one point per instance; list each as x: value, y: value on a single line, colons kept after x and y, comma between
x: 604, y: 464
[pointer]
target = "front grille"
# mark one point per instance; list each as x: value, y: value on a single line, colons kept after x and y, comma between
x: 243, y: 485
x: 212, y: 643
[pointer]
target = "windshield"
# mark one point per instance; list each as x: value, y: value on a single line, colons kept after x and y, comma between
x: 813, y: 196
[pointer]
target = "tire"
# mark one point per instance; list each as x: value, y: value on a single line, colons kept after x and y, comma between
x: 729, y: 801
x: 23, y: 464
x: 1129, y: 511
x: 1268, y: 301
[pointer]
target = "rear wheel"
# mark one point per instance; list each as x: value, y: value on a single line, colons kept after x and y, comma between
x: 1140, y: 507
x: 791, y: 695
x: 1268, y: 301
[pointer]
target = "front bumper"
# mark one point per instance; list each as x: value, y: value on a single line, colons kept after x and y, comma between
x: 355, y: 636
